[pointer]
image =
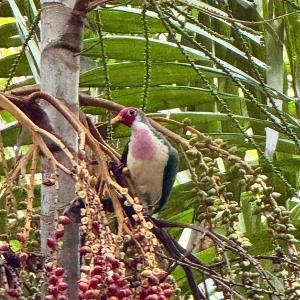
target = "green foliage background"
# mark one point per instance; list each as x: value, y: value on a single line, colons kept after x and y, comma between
x: 139, y: 63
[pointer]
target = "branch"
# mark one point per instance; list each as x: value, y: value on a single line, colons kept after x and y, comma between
x: 86, y: 100
x: 34, y: 131
x: 96, y: 3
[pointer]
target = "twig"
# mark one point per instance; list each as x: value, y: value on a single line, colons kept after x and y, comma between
x: 30, y: 196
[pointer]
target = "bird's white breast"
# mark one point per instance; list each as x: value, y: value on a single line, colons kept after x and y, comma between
x: 146, y: 161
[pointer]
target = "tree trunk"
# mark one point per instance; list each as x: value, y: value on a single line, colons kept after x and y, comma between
x: 60, y: 37
x: 274, y: 76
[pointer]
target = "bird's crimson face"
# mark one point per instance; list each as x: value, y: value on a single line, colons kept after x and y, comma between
x: 126, y: 116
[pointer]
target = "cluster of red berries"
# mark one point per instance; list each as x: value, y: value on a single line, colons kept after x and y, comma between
x: 153, y: 286
x: 57, y: 287
x: 59, y: 232
x: 104, y: 280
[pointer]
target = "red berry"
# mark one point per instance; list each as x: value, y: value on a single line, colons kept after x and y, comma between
x: 91, y: 294
x: 115, y: 264
x: 168, y: 293
x: 121, y: 282
x: 116, y: 276
x: 59, y: 271
x: 83, y: 286
x: 95, y: 226
x: 53, y: 280
x: 84, y: 250
x: 98, y: 277
x: 152, y: 297
x: 112, y: 290
x: 124, y: 293
x: 165, y: 285
x: 49, y: 297
x: 139, y: 236
x: 153, y: 280
x: 53, y: 290
x: 97, y: 270
x: 94, y: 282
x: 62, y: 297
x: 59, y: 233
x: 62, y: 286
x: 48, y: 182
x: 51, y: 243
x: 13, y: 293
x: 64, y: 220
x: 143, y: 294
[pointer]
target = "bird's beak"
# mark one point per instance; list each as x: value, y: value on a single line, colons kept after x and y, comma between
x: 116, y: 119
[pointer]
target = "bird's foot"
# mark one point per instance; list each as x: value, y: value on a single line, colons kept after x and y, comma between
x: 117, y: 170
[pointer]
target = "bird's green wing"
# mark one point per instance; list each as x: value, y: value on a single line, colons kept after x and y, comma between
x: 124, y: 154
x: 169, y: 177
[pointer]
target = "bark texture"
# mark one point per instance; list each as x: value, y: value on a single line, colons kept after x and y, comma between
x: 60, y: 39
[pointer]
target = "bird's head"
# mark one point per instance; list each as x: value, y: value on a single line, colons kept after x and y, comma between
x: 126, y: 116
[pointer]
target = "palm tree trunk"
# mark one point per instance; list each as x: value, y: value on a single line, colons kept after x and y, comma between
x: 60, y: 39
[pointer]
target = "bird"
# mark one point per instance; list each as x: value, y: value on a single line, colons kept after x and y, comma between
x: 151, y: 160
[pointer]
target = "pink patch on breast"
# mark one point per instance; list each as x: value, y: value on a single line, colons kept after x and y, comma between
x: 142, y: 144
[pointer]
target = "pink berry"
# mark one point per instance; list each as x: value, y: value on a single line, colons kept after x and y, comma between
x: 59, y: 271
x: 84, y: 250
x: 83, y: 286
x: 64, y: 220
x: 95, y: 226
x: 112, y: 289
x: 165, y: 285
x: 152, y: 297
x: 115, y: 264
x: 124, y: 293
x: 51, y: 243
x: 94, y: 282
x: 97, y: 270
x: 153, y: 280
x: 59, y: 233
x: 91, y: 294
x: 53, y: 280
x: 116, y: 276
x: 48, y: 182
x: 13, y: 293
x: 121, y: 282
x: 62, y: 286
x: 168, y: 293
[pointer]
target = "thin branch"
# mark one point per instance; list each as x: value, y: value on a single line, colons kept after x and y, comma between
x: 96, y: 3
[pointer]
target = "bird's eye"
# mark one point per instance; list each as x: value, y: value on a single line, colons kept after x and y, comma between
x: 131, y: 112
